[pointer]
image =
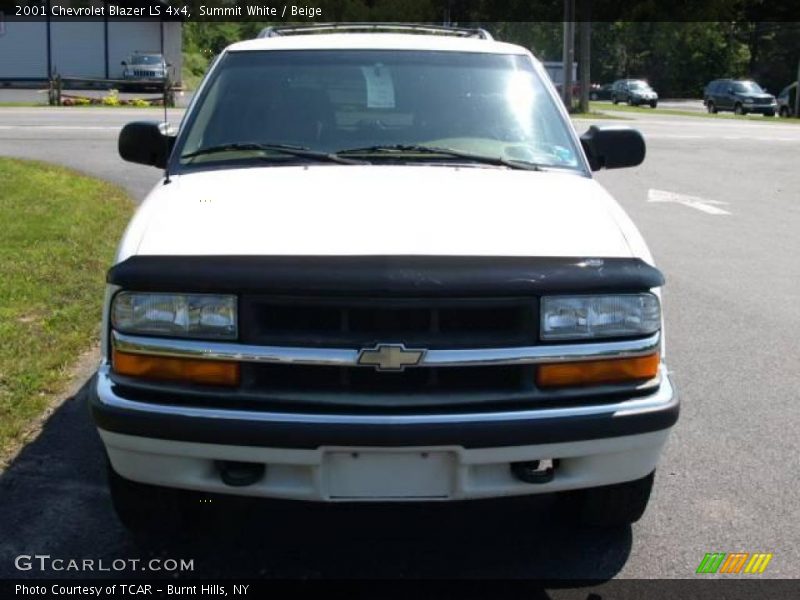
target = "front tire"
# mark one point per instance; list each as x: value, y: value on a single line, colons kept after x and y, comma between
x: 784, y: 112
x: 653, y: 103
x: 614, y: 100
x: 630, y: 101
x: 147, y: 511
x: 609, y: 506
x: 738, y: 109
x: 712, y: 109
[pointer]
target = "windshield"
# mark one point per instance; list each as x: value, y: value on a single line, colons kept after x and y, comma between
x: 639, y: 85
x: 332, y: 101
x: 146, y: 60
x: 747, y: 87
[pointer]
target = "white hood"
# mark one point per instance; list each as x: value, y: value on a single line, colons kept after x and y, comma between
x: 377, y: 210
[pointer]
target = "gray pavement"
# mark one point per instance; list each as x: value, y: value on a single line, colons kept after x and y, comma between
x: 689, y: 104
x: 84, y: 139
x: 728, y: 481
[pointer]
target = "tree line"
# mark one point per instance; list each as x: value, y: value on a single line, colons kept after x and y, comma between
x: 677, y: 58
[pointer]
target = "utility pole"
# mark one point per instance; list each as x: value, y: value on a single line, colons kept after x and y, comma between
x: 797, y: 94
x: 568, y: 55
x: 585, y: 60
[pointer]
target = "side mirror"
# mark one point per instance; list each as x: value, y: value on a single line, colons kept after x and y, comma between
x: 730, y: 90
x: 613, y: 146
x: 145, y: 142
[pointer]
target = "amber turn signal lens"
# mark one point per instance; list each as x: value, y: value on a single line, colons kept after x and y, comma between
x: 213, y: 372
x: 615, y: 370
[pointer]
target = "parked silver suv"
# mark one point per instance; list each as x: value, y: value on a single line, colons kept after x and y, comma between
x: 145, y: 66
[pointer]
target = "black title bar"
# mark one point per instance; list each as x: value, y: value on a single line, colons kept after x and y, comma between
x: 463, y: 12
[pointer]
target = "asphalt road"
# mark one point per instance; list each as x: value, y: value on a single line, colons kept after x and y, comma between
x: 671, y: 103
x: 723, y: 227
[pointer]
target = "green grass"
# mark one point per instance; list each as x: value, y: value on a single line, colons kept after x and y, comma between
x: 58, y: 235
x: 688, y: 113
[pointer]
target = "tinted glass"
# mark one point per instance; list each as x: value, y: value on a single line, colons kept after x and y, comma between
x: 489, y: 104
x: 146, y: 60
x: 747, y: 87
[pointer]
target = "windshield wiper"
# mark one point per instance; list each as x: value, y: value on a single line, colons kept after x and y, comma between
x: 288, y: 149
x: 450, y: 152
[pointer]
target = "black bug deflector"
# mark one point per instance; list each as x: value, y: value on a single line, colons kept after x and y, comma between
x: 408, y: 276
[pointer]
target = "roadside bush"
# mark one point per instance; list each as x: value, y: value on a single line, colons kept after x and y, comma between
x: 112, y: 98
x: 139, y: 103
x: 82, y: 101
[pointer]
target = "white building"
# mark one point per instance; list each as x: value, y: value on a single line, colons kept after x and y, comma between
x: 32, y: 49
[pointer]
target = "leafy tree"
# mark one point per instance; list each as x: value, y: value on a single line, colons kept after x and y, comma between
x: 677, y: 58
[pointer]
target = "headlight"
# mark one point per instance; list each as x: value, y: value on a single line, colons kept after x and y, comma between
x: 582, y: 317
x: 179, y: 315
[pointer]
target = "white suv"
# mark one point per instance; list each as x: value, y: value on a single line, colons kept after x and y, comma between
x: 378, y: 268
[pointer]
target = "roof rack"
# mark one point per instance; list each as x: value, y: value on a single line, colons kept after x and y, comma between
x: 269, y: 32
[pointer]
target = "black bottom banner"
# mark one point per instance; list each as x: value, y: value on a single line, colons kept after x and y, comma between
x: 683, y: 589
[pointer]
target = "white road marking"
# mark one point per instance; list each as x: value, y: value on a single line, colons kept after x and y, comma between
x: 701, y: 204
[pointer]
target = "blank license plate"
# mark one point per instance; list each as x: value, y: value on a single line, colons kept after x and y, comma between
x: 388, y: 475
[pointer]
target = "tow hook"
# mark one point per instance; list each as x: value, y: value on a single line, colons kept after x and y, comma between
x: 240, y: 474
x: 534, y: 471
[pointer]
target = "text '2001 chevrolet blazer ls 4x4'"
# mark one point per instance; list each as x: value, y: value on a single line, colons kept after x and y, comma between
x: 378, y: 268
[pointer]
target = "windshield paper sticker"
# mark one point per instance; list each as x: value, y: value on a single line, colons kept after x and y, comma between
x: 380, y: 87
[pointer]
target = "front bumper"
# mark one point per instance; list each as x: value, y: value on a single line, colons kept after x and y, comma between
x: 402, y: 457
x: 760, y: 108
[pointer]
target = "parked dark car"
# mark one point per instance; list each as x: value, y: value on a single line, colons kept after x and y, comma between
x: 786, y: 100
x: 635, y: 92
x: 601, y: 92
x: 740, y: 96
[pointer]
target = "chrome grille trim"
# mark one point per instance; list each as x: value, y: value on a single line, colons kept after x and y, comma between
x: 347, y: 357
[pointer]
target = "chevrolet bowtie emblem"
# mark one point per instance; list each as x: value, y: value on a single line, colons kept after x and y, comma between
x: 390, y: 357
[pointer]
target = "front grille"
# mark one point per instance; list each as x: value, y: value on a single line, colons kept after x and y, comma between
x: 274, y: 379
x: 357, y: 323
x: 428, y: 323
x: 143, y: 73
